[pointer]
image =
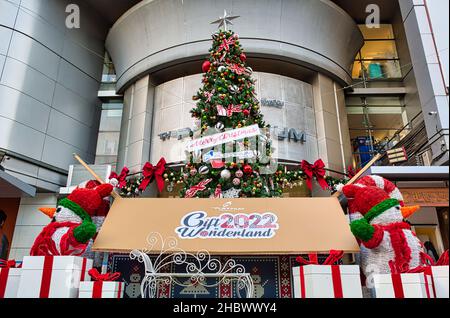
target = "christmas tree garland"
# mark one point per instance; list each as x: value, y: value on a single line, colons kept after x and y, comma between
x: 130, y: 185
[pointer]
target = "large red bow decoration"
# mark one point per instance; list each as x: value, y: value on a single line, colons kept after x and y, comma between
x: 226, y: 45
x: 9, y: 264
x: 149, y: 172
x: 332, y: 258
x: 122, y: 177
x: 199, y: 187
x: 108, y: 277
x: 316, y: 170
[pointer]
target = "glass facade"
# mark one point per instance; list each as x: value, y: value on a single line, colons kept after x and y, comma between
x: 378, y: 59
x: 109, y: 133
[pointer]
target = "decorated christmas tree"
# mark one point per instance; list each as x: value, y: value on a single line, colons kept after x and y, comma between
x: 227, y: 101
x: 230, y: 155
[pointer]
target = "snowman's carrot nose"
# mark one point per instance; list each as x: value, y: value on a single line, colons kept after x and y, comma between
x: 50, y: 212
x: 407, y: 211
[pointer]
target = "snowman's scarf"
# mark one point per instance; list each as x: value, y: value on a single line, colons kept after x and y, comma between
x: 399, y: 243
x: 44, y: 245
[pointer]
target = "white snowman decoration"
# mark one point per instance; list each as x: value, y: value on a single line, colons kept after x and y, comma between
x: 258, y: 291
x: 133, y: 289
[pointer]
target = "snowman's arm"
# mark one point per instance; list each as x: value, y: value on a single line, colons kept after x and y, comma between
x: 84, y: 232
x: 370, y: 235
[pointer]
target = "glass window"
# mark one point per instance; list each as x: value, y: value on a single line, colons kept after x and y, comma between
x: 378, y: 58
x: 109, y: 72
x: 377, y: 70
x: 379, y: 50
x: 109, y: 132
x: 108, y: 143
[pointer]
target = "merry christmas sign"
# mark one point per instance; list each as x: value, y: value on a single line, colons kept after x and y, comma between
x: 229, y: 226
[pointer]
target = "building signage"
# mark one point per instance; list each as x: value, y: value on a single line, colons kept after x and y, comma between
x: 180, y: 134
x: 223, y: 138
x: 426, y: 197
x: 228, y: 226
x: 291, y: 134
x: 272, y: 103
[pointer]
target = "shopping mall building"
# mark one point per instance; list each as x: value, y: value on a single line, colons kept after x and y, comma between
x: 118, y: 90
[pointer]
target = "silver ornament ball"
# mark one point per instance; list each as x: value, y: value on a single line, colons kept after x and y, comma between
x: 225, y: 174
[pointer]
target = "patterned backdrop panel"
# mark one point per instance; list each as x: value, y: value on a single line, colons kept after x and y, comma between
x: 271, y: 277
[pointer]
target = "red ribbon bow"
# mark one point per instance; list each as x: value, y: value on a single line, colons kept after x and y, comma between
x: 222, y: 111
x: 443, y: 260
x: 108, y: 277
x: 226, y: 45
x: 9, y: 264
x: 316, y: 170
x: 122, y: 178
x: 209, y: 95
x: 239, y: 70
x: 313, y: 260
x: 427, y: 260
x: 149, y: 172
x: 199, y: 187
x: 335, y: 271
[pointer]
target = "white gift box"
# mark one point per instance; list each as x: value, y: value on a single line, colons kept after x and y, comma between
x: 9, y: 282
x: 441, y: 280
x: 327, y: 281
x: 405, y: 285
x: 103, y: 290
x: 53, y: 276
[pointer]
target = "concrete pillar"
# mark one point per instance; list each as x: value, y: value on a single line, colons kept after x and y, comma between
x: 137, y: 120
x: 431, y: 86
x: 332, y: 126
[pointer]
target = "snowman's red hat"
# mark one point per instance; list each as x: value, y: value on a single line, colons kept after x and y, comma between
x: 90, y: 199
x: 365, y: 198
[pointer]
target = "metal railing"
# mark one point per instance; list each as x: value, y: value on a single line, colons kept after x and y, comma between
x: 414, y: 139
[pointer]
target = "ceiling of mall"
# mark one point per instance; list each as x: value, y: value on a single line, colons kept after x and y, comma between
x: 112, y: 10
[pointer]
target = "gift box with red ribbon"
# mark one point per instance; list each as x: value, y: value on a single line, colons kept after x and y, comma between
x: 326, y: 280
x: 102, y: 286
x: 440, y: 275
x: 52, y: 276
x: 412, y: 283
x: 10, y: 272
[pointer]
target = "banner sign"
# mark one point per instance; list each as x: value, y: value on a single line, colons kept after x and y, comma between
x: 222, y: 138
x: 228, y: 226
x: 244, y: 226
x: 214, y: 155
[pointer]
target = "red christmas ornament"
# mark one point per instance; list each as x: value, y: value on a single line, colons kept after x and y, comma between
x: 248, y: 169
x: 246, y: 112
x: 243, y: 57
x: 206, y: 66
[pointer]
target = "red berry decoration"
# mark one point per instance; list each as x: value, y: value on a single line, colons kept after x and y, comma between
x: 248, y: 169
x: 246, y: 112
x: 206, y: 66
x: 243, y: 57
